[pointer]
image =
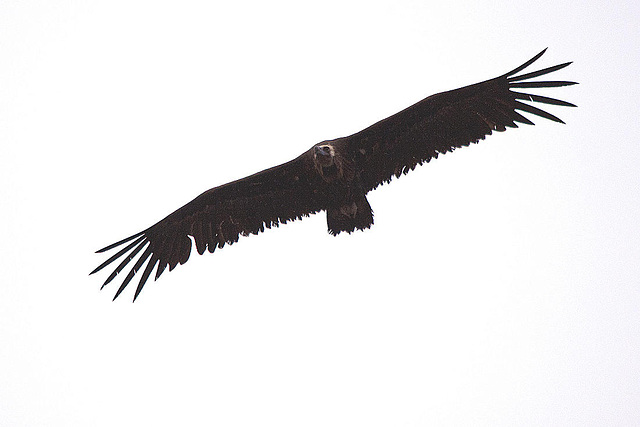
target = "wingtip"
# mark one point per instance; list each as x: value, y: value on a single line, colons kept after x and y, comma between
x: 525, y: 65
x: 106, y: 248
x: 113, y: 245
x: 118, y: 292
x: 566, y: 83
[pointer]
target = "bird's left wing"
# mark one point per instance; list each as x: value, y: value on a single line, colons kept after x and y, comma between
x: 443, y: 122
x: 218, y: 216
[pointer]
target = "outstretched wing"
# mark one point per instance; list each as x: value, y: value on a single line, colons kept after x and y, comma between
x: 218, y: 216
x: 446, y: 121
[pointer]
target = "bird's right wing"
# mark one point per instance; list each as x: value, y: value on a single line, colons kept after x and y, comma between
x: 221, y: 215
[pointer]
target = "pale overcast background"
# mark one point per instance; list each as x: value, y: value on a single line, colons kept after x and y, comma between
x: 499, y: 286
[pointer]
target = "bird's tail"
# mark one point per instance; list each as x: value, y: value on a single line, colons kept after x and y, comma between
x: 355, y: 214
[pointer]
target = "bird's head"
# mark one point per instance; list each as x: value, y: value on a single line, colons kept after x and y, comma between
x: 323, y: 155
x: 327, y: 162
x: 330, y: 163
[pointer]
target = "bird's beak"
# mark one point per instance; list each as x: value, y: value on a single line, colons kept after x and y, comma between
x: 320, y: 152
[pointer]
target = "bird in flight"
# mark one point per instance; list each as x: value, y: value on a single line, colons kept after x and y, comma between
x: 335, y: 176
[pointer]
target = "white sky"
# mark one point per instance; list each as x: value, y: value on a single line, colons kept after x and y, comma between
x: 499, y: 285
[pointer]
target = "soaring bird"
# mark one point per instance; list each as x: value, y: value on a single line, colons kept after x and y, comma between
x: 335, y: 175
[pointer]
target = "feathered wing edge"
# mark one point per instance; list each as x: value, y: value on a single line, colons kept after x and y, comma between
x: 133, y: 248
x: 140, y: 241
x: 517, y: 82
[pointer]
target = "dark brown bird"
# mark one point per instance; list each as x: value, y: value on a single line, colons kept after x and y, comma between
x: 335, y: 175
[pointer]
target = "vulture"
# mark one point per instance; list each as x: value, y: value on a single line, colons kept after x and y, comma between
x: 336, y: 175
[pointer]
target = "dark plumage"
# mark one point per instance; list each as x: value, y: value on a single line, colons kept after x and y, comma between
x: 334, y: 175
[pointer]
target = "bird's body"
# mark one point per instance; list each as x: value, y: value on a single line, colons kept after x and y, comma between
x: 334, y: 175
